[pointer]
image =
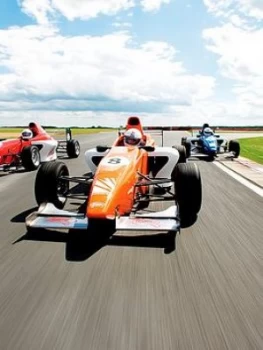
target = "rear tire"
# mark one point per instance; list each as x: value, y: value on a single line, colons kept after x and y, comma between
x: 48, y: 185
x: 182, y: 153
x: 73, y: 149
x: 188, y: 192
x: 234, y: 147
x: 30, y: 158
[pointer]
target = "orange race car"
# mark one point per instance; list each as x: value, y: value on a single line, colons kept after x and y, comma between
x: 123, y: 181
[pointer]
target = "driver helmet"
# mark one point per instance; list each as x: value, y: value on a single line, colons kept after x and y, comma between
x: 26, y: 134
x: 208, y: 132
x: 132, y: 137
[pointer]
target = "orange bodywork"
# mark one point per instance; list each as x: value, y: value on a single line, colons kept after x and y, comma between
x: 113, y: 189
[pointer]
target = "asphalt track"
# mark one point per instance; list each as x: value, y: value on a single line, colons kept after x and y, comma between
x: 135, y: 292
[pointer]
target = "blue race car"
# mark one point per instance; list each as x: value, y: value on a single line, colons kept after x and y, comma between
x: 208, y: 144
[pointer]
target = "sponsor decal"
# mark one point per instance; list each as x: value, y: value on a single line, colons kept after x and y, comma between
x: 97, y: 205
x: 148, y: 222
x: 60, y: 220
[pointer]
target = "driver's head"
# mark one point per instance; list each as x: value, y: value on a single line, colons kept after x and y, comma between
x: 132, y: 137
x: 26, y: 134
x: 208, y: 131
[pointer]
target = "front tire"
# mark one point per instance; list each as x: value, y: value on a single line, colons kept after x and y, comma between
x: 188, y: 191
x: 30, y: 158
x: 49, y: 187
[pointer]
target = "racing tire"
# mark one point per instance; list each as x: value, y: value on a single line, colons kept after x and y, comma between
x: 188, y: 148
x: 183, y: 140
x: 48, y: 185
x: 182, y: 153
x: 30, y: 158
x: 188, y: 192
x: 234, y: 147
x: 73, y: 148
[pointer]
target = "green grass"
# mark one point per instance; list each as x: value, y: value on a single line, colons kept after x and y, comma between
x: 15, y: 132
x: 80, y: 131
x: 10, y: 130
x: 252, y: 148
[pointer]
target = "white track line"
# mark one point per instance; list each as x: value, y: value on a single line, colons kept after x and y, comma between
x: 241, y: 179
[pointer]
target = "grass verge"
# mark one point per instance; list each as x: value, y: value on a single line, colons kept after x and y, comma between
x: 15, y: 132
x: 252, y: 148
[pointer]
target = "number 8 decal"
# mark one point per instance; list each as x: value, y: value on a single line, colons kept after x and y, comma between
x: 114, y: 161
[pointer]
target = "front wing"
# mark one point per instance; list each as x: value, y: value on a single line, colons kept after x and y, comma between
x: 48, y: 216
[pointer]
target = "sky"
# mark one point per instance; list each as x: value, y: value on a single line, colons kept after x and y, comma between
x: 96, y: 62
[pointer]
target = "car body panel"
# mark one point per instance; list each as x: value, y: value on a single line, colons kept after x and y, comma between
x: 112, y: 187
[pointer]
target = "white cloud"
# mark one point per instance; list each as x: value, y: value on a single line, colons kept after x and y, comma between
x: 239, y: 50
x: 121, y: 24
x: 153, y: 5
x: 240, y: 58
x: 47, y: 70
x: 237, y: 44
x: 43, y: 10
x: 38, y: 9
x: 210, y: 112
x: 73, y: 9
x: 225, y: 8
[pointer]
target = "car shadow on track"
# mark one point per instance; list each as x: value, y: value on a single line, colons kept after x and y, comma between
x: 81, y: 245
x: 21, y: 217
x: 20, y: 169
x: 15, y: 171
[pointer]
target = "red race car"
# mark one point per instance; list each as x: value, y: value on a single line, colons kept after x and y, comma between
x: 33, y: 147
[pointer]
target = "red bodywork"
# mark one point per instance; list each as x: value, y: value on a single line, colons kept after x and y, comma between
x: 10, y: 150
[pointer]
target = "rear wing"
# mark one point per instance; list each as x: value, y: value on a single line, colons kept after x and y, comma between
x: 159, y: 130
x: 62, y: 144
x: 68, y: 134
x: 156, y: 132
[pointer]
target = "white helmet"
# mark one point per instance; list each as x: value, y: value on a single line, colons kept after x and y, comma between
x: 132, y: 137
x: 208, y: 131
x: 26, y: 134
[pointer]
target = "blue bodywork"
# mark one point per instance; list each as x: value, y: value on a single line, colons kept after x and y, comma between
x: 209, y: 144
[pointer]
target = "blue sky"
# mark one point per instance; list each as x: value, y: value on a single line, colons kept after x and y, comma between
x: 175, y: 61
